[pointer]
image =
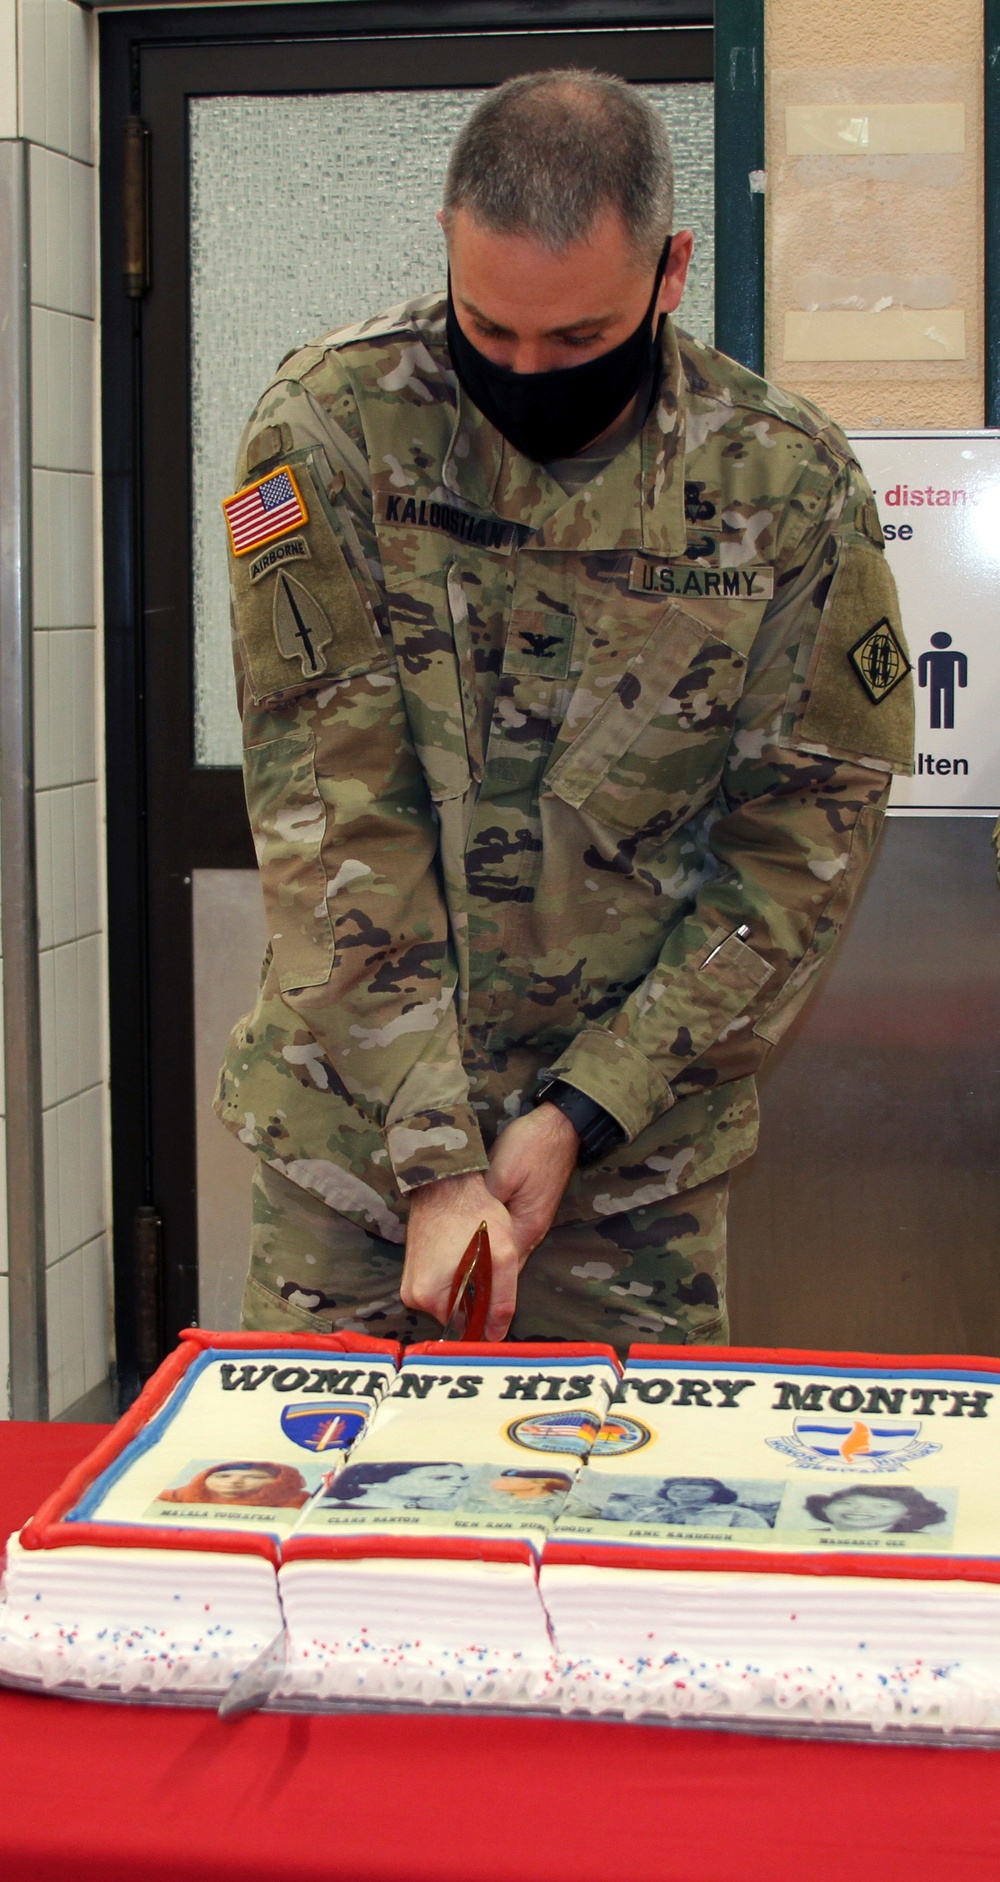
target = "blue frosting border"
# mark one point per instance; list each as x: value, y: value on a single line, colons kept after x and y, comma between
x: 89, y: 1504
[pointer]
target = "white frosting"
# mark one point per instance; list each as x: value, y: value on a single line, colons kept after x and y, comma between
x: 486, y: 1444
x: 877, y: 1653
x: 183, y: 1620
x: 427, y: 1632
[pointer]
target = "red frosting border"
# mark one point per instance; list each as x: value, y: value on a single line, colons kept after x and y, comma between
x: 46, y: 1530
x: 413, y: 1548
x: 747, y: 1562
x: 526, y: 1349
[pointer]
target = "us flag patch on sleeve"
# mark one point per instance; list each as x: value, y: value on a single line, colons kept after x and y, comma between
x: 261, y: 511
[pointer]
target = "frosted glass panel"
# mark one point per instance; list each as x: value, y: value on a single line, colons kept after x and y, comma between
x: 309, y: 213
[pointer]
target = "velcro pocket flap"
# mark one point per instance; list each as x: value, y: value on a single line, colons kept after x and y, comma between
x: 685, y: 679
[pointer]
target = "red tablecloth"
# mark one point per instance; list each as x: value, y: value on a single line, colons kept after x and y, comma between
x: 96, y: 1792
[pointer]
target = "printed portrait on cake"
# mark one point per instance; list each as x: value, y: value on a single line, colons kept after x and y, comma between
x: 891, y: 1509
x: 250, y: 1483
x: 399, y: 1486
x: 490, y: 1490
x: 525, y: 1495
x: 529, y: 1486
x: 676, y: 1502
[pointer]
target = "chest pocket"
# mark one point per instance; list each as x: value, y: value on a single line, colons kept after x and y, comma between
x: 653, y: 752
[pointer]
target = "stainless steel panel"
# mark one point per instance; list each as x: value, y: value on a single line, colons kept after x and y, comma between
x: 230, y: 935
x: 870, y: 1219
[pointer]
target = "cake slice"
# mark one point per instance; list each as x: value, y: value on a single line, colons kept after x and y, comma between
x: 413, y: 1575
x: 791, y: 1538
x: 153, y: 1567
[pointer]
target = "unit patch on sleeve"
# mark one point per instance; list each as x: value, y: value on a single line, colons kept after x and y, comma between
x: 301, y: 628
x: 261, y: 511
x: 879, y: 660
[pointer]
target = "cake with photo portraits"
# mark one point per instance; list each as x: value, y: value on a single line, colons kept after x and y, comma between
x: 778, y: 1541
x: 792, y: 1539
x: 153, y: 1567
x: 414, y: 1576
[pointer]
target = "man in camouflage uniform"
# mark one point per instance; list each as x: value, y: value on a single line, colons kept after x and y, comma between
x: 563, y: 764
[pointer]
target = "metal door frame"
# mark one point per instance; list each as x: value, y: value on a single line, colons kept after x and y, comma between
x: 151, y: 61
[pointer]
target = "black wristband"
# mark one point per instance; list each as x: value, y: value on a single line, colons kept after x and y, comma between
x: 597, y: 1130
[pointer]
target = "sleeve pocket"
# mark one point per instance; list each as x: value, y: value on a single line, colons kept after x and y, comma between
x: 288, y: 819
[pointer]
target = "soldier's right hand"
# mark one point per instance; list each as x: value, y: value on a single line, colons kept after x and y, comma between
x: 444, y: 1216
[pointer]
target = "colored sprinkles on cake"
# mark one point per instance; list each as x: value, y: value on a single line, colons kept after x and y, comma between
x: 491, y: 1632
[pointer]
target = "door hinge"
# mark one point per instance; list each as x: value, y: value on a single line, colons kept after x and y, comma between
x: 147, y: 1235
x: 135, y: 207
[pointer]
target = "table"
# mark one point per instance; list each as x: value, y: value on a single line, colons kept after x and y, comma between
x: 91, y: 1792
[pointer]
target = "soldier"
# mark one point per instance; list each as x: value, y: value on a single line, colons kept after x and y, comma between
x: 566, y: 750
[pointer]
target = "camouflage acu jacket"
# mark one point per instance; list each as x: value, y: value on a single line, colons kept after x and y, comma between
x: 544, y: 783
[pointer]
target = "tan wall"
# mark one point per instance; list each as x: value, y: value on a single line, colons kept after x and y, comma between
x: 913, y: 218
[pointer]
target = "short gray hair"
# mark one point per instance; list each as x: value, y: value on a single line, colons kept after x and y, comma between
x: 543, y: 155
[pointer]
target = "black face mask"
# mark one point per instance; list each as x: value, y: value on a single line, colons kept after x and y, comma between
x: 554, y: 414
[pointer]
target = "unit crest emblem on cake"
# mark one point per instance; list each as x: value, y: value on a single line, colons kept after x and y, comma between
x: 852, y: 1444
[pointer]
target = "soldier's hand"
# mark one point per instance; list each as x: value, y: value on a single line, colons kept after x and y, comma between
x: 530, y: 1166
x: 444, y: 1216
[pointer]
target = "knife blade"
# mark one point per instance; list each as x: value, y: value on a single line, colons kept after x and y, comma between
x: 469, y: 1300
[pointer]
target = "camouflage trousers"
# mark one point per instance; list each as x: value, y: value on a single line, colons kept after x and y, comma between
x: 655, y: 1274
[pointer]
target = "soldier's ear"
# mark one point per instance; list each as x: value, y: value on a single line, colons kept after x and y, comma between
x: 672, y: 285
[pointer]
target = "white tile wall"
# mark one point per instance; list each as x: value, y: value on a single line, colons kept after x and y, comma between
x: 65, y: 708
x: 62, y: 233
x: 54, y: 70
x: 46, y: 52
x: 74, y: 1180
x: 8, y: 127
x: 62, y: 390
x: 72, y: 1000
x: 63, y: 520
x: 68, y: 833
x: 78, y: 1307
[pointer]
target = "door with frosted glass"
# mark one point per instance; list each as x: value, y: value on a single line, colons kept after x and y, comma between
x: 293, y: 190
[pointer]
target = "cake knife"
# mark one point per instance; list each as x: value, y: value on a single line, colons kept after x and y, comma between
x: 252, y: 1688
x: 469, y: 1301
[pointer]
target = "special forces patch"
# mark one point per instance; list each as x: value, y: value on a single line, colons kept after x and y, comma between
x: 301, y: 628
x: 879, y: 660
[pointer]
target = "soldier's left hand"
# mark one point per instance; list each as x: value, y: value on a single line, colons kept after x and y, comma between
x: 530, y: 1166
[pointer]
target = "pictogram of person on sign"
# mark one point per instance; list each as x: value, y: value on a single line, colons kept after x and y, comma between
x: 940, y: 670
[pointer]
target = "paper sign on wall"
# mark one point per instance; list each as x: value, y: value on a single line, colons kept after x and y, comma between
x: 938, y: 498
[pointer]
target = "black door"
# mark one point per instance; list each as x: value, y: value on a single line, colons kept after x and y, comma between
x: 174, y: 808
